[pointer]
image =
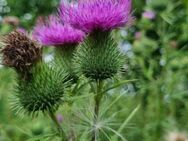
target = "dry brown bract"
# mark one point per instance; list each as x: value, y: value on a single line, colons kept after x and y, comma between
x: 20, y: 52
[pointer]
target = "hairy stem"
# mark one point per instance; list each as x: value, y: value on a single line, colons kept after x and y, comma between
x: 58, y: 126
x: 97, y: 99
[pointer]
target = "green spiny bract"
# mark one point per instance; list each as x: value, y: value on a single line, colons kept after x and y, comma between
x: 64, y: 60
x: 98, y: 57
x: 44, y: 92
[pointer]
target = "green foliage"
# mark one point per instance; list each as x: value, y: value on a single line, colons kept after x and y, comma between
x: 43, y: 93
x: 98, y: 57
x: 29, y: 10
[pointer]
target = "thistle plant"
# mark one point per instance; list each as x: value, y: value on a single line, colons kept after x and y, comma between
x: 40, y: 88
x: 65, y: 38
x: 98, y: 57
x: 80, y: 86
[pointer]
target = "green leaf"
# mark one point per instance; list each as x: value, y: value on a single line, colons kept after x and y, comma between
x: 114, y: 138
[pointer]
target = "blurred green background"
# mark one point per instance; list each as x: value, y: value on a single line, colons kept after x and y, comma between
x: 157, y: 57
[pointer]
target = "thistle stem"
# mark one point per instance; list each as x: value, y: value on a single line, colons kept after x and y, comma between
x: 97, y: 99
x: 58, y: 126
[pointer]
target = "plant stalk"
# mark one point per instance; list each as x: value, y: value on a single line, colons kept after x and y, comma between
x: 97, y: 99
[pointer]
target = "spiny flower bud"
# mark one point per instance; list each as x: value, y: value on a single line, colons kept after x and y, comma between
x: 44, y: 92
x: 20, y: 52
x: 98, y: 57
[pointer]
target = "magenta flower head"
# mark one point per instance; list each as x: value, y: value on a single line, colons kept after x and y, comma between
x: 90, y: 15
x: 57, y: 33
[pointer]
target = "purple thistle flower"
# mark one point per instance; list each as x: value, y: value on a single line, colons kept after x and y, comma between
x: 149, y: 15
x: 56, y: 33
x: 90, y: 15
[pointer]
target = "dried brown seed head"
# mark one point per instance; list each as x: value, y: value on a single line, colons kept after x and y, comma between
x: 20, y: 52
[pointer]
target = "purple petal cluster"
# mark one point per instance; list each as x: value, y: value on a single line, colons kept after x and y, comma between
x: 54, y: 32
x: 90, y: 15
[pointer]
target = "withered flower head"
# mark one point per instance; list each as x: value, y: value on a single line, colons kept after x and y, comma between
x: 20, y: 52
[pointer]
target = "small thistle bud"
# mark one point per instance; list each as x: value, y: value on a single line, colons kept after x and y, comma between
x: 98, y: 57
x: 43, y: 93
x: 20, y: 52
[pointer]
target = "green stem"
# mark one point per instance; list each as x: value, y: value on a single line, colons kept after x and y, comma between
x: 97, y: 99
x: 58, y: 126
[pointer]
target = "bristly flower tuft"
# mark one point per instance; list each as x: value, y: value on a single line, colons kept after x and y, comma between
x: 55, y: 32
x: 20, y: 52
x: 89, y: 15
